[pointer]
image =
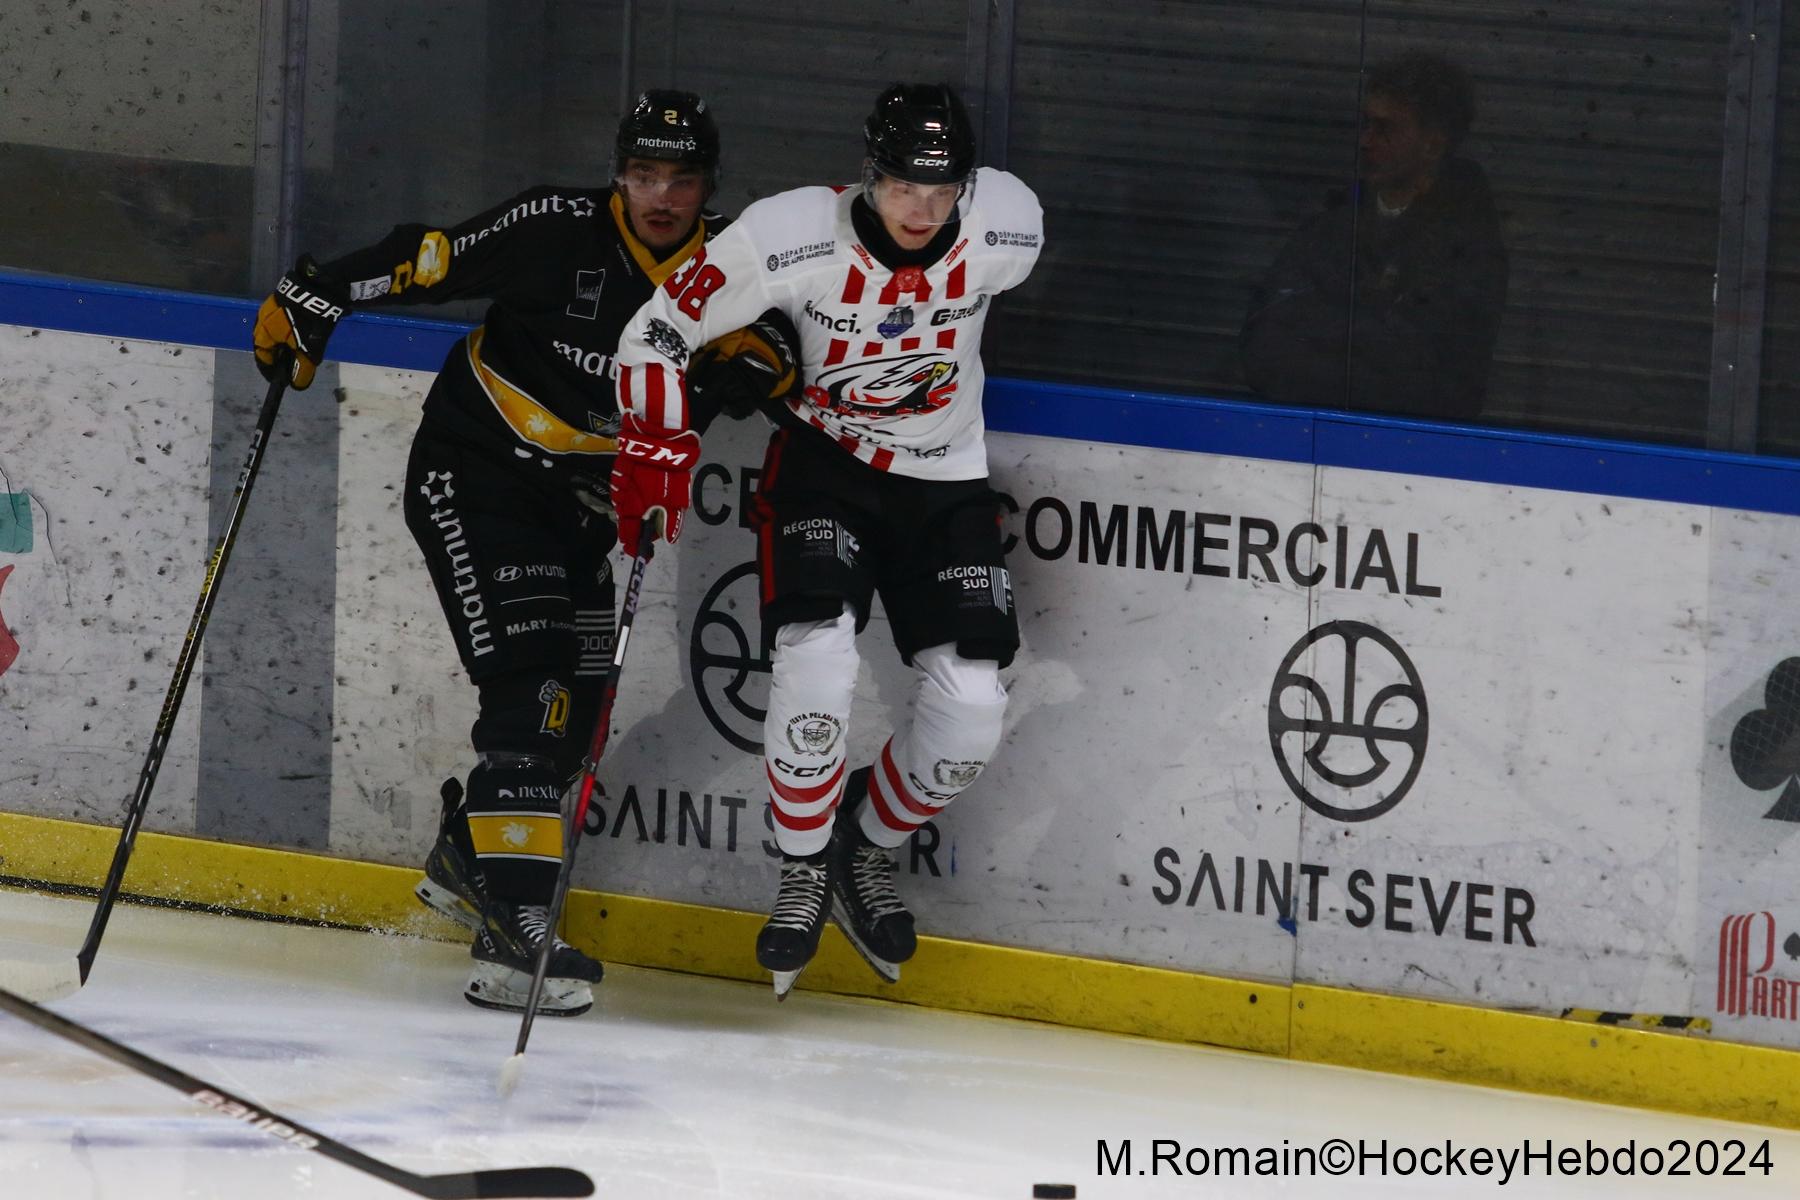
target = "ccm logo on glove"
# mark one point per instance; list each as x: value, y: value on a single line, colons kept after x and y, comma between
x: 658, y: 454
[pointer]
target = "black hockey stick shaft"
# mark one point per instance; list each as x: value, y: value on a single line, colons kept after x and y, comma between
x: 469, y: 1185
x: 184, y: 668
x: 531, y: 1181
x: 634, y: 585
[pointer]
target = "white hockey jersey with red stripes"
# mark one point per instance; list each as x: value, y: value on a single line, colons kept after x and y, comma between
x: 892, y: 359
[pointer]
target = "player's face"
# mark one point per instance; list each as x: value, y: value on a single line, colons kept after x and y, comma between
x: 662, y: 199
x: 912, y: 213
x: 1397, y: 150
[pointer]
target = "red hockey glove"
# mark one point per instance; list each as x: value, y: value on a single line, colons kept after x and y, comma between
x: 653, y: 473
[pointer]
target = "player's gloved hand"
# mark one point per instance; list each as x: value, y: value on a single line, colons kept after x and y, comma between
x: 594, y: 490
x: 653, y: 473
x: 737, y: 373
x: 296, y: 321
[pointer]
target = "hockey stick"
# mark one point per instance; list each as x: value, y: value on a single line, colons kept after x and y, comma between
x: 468, y: 1185
x: 51, y: 980
x: 509, y: 1071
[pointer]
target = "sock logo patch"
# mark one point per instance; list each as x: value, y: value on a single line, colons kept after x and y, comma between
x: 814, y: 733
x: 955, y: 774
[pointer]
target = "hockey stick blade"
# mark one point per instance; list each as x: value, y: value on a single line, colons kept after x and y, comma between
x: 518, y: 1183
x: 41, y: 980
x: 505, y: 1183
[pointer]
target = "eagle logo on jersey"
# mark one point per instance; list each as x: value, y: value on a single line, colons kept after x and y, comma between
x: 896, y: 387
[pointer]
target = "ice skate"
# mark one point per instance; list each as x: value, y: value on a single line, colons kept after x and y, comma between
x: 505, y: 954
x: 790, y: 937
x: 864, y: 901
x: 452, y: 883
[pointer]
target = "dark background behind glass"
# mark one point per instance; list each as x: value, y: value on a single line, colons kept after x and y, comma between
x: 1174, y: 152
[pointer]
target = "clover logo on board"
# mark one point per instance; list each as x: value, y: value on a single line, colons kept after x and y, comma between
x: 1765, y: 745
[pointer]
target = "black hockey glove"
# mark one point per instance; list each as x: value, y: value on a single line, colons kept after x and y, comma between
x: 738, y: 373
x: 296, y: 321
x: 594, y: 489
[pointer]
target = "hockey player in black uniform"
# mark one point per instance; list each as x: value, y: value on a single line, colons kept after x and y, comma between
x: 506, y: 489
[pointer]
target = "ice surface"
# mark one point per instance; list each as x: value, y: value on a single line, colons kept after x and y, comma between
x: 676, y: 1087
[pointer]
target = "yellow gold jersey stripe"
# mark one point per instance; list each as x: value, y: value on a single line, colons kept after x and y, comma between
x: 517, y: 834
x: 529, y: 419
x: 657, y: 272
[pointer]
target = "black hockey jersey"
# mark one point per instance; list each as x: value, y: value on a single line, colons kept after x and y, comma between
x: 565, y: 273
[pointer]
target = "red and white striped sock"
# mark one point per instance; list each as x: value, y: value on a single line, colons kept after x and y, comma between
x: 950, y: 739
x: 813, y: 676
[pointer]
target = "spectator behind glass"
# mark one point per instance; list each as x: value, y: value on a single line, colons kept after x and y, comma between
x: 1430, y: 270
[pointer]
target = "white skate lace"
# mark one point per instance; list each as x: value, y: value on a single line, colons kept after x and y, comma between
x: 872, y: 871
x: 800, y: 897
x: 534, y: 923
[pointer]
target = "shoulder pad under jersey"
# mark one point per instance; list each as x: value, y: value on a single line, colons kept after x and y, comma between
x: 1007, y: 211
x: 792, y: 228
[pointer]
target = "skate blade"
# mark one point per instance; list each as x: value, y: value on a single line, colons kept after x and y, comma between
x: 784, y: 982
x: 889, y: 971
x: 494, y: 986
x: 448, y: 903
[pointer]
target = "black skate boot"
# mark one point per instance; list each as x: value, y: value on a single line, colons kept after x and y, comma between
x: 452, y: 883
x: 505, y: 954
x: 864, y: 901
x: 790, y: 937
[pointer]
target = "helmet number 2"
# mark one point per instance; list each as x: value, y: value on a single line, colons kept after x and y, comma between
x: 691, y: 286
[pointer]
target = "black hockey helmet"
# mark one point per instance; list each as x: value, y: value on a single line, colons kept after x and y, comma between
x: 921, y: 133
x: 669, y: 125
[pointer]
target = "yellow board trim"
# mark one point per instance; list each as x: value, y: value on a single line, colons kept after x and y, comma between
x: 1675, y: 1072
x: 517, y: 834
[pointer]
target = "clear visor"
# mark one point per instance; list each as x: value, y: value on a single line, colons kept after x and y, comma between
x: 663, y: 184
x: 916, y: 205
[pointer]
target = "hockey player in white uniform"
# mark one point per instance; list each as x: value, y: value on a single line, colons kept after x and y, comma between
x: 875, y: 481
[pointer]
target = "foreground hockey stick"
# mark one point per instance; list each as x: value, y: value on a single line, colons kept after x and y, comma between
x: 59, y: 977
x: 468, y: 1185
x: 509, y: 1072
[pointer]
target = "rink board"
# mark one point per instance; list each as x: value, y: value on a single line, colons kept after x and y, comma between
x: 1602, y: 1062
x: 1578, y: 799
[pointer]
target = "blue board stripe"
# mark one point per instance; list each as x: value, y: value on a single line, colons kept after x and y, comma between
x: 223, y: 322
x: 1230, y: 427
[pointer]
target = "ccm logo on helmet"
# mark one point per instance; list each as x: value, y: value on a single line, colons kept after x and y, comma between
x: 308, y: 301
